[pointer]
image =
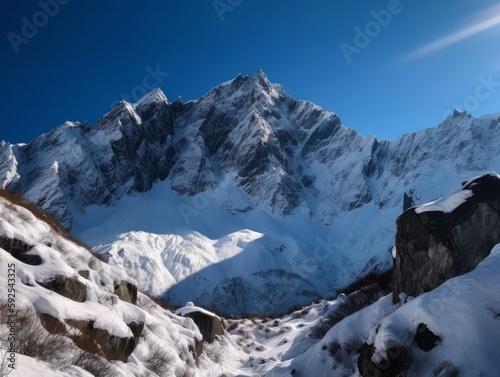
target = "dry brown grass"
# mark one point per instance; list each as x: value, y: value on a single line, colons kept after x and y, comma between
x: 33, y: 340
x: 160, y: 359
x: 94, y: 364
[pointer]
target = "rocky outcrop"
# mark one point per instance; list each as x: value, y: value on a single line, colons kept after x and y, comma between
x: 447, y: 238
x: 19, y: 250
x: 60, y: 330
x: 95, y: 340
x: 84, y: 274
x: 126, y: 292
x: 209, y: 325
x: 397, y: 361
x: 426, y: 340
x: 69, y: 287
x: 75, y: 290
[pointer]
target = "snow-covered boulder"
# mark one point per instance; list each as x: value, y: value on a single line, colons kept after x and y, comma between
x: 66, y: 286
x: 209, y: 324
x: 446, y: 238
x: 126, y: 291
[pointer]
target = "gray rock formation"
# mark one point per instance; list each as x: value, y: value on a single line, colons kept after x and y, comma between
x: 95, y: 340
x: 434, y: 246
x: 126, y: 292
x: 20, y: 250
x: 69, y: 287
x: 209, y: 325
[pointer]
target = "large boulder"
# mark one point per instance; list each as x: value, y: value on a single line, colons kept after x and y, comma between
x: 93, y: 339
x: 209, y: 325
x: 69, y: 287
x: 443, y: 239
x: 126, y: 291
x: 20, y: 250
x: 207, y: 322
x: 99, y: 341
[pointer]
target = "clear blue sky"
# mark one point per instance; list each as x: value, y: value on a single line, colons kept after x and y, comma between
x: 410, y: 70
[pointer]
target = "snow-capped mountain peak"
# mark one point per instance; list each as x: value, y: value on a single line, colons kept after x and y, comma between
x: 155, y: 95
x: 250, y: 154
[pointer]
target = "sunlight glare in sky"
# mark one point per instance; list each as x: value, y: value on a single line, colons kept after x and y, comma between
x: 491, y: 18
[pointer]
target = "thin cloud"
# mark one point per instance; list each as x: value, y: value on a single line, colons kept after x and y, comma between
x: 480, y: 26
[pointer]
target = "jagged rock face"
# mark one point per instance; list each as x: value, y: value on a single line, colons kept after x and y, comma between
x: 434, y: 246
x: 407, y: 201
x: 74, y: 165
x: 283, y: 153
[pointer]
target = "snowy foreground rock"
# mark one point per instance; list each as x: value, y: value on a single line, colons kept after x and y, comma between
x: 453, y: 328
x: 446, y: 238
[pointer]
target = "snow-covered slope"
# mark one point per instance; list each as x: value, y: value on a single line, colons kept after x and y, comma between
x: 84, y: 299
x: 245, y: 158
x: 251, y: 263
x: 463, y: 312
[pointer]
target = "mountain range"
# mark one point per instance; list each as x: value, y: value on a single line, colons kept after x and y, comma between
x: 245, y: 200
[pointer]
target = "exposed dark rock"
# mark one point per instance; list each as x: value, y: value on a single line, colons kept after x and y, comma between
x: 322, y: 133
x: 397, y: 362
x: 69, y: 287
x: 84, y: 274
x: 14, y: 246
x: 126, y: 292
x: 99, y: 341
x: 19, y: 250
x: 433, y: 246
x: 425, y: 338
x: 136, y: 328
x: 407, y: 201
x: 197, y: 349
x: 52, y: 324
x: 95, y: 340
x: 209, y: 325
